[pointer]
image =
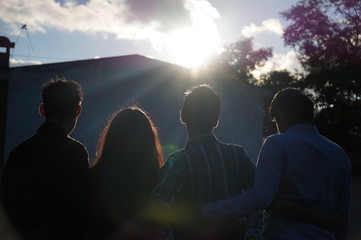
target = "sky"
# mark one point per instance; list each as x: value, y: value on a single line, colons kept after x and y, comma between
x: 182, y: 32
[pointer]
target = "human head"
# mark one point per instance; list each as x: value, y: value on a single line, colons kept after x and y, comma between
x: 200, y: 111
x: 289, y: 107
x: 61, y: 100
x: 130, y: 132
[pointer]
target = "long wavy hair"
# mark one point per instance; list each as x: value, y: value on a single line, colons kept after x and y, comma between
x: 129, y: 155
x: 129, y: 131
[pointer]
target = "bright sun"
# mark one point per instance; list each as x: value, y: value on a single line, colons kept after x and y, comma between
x: 191, y: 46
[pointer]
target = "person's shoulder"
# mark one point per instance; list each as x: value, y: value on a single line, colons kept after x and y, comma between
x: 76, y: 144
x: 276, y: 141
x: 178, y: 154
x: 333, y: 145
x: 24, y: 146
x: 234, y: 147
x: 75, y: 149
x: 229, y: 145
x: 276, y: 138
x: 330, y: 142
x: 240, y: 151
x: 18, y: 159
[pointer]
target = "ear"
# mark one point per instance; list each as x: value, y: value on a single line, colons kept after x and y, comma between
x: 42, y: 110
x: 78, y: 111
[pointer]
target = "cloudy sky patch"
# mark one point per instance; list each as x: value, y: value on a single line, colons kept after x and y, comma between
x: 127, y: 19
x: 20, y: 62
x: 271, y: 25
x: 165, y: 24
x: 280, y: 62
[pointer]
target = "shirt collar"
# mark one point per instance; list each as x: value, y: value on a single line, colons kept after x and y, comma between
x: 202, y: 138
x: 304, y: 128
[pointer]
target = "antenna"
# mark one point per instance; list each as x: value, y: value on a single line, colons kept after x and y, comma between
x: 24, y: 27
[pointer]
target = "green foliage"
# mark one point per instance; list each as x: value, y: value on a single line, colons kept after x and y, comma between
x: 327, y: 34
x: 236, y: 64
x: 277, y: 80
x: 238, y: 60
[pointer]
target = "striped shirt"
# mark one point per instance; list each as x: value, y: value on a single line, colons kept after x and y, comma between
x: 205, y: 171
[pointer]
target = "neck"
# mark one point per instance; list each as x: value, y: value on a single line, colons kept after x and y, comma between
x: 193, y: 133
x: 291, y: 123
x: 66, y: 124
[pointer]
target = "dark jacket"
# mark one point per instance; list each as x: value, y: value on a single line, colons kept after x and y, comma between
x: 44, y: 188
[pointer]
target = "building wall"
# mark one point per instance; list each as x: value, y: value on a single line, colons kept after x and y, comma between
x: 112, y: 83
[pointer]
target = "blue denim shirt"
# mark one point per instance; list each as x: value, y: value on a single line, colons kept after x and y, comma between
x: 300, y: 165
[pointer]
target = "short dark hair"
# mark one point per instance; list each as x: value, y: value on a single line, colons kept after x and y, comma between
x: 201, y: 108
x: 292, y: 102
x: 61, y: 97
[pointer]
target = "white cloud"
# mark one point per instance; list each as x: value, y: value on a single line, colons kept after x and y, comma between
x: 271, y: 25
x: 125, y: 19
x: 279, y: 61
x: 20, y: 62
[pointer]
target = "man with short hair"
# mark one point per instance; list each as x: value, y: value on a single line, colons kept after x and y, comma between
x: 205, y: 170
x: 299, y: 165
x: 44, y: 188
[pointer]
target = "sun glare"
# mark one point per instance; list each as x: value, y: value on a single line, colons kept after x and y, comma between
x: 191, y: 46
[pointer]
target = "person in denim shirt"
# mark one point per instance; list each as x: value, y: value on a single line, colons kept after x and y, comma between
x: 299, y: 165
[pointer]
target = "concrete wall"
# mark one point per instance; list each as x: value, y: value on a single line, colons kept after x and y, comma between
x: 113, y: 83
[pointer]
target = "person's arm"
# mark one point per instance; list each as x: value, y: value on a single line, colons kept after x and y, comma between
x: 159, y: 212
x: 343, y: 203
x: 269, y: 172
x: 247, y: 169
x: 169, y: 183
x: 294, y: 211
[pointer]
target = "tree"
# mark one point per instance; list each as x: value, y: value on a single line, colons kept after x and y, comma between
x: 277, y: 80
x: 236, y: 64
x: 327, y: 35
x: 238, y: 60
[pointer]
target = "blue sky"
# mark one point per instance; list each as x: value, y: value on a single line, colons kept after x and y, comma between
x: 182, y: 32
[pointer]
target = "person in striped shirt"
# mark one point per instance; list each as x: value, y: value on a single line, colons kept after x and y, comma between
x: 204, y: 171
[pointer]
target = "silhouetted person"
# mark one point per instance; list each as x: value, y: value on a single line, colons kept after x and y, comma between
x: 44, y: 184
x: 126, y: 169
x: 298, y: 165
x: 204, y: 171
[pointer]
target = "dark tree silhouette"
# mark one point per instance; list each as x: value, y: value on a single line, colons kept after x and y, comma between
x: 277, y: 80
x: 327, y: 35
x: 238, y: 60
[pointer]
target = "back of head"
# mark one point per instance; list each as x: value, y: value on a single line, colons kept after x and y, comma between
x: 61, y: 98
x: 127, y: 163
x: 129, y: 134
x: 201, y: 109
x: 293, y: 103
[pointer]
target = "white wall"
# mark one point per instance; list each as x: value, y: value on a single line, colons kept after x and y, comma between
x: 112, y: 83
